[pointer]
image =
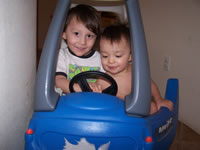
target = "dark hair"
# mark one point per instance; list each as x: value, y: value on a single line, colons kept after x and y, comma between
x: 88, y: 15
x: 114, y: 33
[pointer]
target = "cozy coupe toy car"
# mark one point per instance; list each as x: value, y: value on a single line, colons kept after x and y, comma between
x: 99, y: 121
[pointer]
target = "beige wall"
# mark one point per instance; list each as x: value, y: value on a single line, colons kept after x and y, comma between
x: 172, y: 29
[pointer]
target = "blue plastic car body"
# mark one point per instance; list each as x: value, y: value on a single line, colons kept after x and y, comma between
x: 101, y: 119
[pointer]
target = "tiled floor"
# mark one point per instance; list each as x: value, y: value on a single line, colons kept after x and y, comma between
x: 186, y: 139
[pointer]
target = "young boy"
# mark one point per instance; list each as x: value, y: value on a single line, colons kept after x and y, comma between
x: 116, y: 59
x: 76, y: 54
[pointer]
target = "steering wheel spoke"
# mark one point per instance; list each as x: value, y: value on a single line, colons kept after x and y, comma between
x: 84, y: 85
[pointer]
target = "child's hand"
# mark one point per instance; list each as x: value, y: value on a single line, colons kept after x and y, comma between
x: 95, y: 87
x: 165, y: 103
x: 77, y: 88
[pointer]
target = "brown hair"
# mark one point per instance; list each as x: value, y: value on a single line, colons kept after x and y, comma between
x: 88, y: 15
x: 114, y: 33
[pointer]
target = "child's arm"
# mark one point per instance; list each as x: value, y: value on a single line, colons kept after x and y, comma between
x: 63, y: 83
x: 160, y: 102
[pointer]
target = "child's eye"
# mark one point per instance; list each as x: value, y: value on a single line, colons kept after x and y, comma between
x: 90, y: 36
x: 118, y: 56
x: 104, y: 56
x: 76, y: 33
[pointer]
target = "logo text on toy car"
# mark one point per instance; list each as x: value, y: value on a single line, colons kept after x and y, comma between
x: 164, y: 128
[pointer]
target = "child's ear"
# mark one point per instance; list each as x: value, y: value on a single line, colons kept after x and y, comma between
x: 130, y: 58
x: 64, y: 35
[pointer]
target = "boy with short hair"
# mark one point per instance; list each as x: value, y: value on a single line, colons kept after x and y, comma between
x: 77, y: 54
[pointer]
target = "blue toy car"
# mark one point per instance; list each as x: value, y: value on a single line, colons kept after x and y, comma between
x: 99, y: 121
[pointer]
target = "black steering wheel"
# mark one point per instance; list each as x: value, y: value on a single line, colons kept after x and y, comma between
x: 82, y: 77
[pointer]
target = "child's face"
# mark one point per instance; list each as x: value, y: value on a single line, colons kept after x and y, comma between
x: 79, y: 39
x: 115, y: 56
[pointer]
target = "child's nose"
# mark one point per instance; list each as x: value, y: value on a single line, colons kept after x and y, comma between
x: 83, y: 40
x: 111, y: 59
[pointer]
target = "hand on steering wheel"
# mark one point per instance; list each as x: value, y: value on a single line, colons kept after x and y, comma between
x: 82, y: 77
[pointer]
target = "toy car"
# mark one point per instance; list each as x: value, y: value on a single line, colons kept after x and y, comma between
x: 91, y: 121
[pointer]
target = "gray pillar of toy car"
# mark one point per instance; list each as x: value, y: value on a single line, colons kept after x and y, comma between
x: 138, y: 102
x: 45, y: 96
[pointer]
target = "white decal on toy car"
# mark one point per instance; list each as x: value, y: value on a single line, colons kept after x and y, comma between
x: 83, y: 144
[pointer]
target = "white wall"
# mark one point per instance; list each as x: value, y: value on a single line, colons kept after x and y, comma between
x: 172, y: 28
x: 17, y: 70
